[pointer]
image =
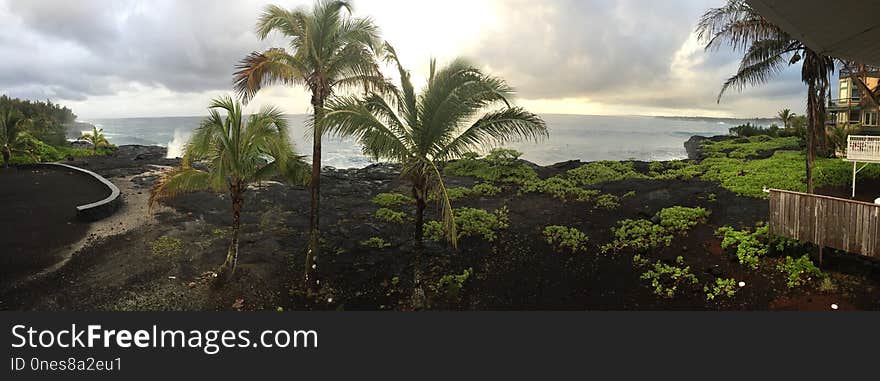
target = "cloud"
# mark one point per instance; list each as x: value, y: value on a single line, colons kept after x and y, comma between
x: 119, y: 58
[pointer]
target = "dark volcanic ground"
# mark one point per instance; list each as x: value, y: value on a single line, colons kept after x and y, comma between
x: 517, y: 271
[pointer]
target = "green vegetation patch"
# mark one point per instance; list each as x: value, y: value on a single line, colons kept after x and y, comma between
x: 799, y: 271
x: 682, y: 219
x: 390, y: 200
x: 471, y: 222
x: 639, y: 235
x: 563, y: 238
x: 750, y: 245
x: 166, y: 246
x: 751, y: 147
x: 388, y: 215
x: 607, y: 202
x: 500, y: 165
x: 602, y: 172
x: 665, y: 279
x: 723, y: 287
x: 375, y: 243
x: 451, y: 285
x: 560, y: 188
x: 486, y: 189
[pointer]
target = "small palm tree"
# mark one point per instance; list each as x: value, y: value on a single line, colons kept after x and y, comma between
x: 96, y: 137
x: 330, y: 50
x: 447, y: 119
x: 786, y: 116
x: 13, y: 138
x: 237, y: 154
x: 767, y: 50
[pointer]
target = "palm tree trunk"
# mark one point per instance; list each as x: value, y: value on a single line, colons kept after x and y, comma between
x: 228, y: 267
x: 7, y: 155
x: 418, y: 298
x: 811, y: 133
x: 309, y: 279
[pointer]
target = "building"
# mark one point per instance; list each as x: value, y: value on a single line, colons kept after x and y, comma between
x: 851, y: 104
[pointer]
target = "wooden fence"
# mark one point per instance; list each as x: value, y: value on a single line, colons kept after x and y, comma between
x: 848, y: 225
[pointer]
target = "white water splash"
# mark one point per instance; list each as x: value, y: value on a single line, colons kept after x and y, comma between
x: 177, y: 143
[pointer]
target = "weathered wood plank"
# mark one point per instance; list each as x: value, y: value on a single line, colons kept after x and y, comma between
x: 853, y: 226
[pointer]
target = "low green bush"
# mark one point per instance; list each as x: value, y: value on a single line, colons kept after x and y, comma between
x: 563, y: 238
x: 602, y: 172
x: 607, y: 202
x: 434, y: 230
x: 390, y: 200
x: 750, y: 246
x: 500, y: 165
x: 722, y: 287
x: 471, y: 222
x: 799, y: 271
x: 451, y: 285
x: 375, y: 243
x: 388, y: 215
x: 560, y: 188
x: 665, y: 279
x: 681, y: 219
x: 486, y: 189
x: 639, y: 235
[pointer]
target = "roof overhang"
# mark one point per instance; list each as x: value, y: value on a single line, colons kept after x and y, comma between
x: 847, y: 29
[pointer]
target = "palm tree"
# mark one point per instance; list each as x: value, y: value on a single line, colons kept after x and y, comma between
x: 237, y: 154
x: 786, y: 116
x: 448, y: 118
x: 330, y: 50
x: 96, y: 137
x: 13, y: 139
x: 767, y: 50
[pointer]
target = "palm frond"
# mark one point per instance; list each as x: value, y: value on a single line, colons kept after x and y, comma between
x: 260, y: 69
x: 498, y: 127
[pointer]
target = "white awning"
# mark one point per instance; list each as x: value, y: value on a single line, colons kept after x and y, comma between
x: 848, y: 29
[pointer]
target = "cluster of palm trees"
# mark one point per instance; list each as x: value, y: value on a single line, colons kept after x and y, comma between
x: 335, y: 55
x: 767, y: 50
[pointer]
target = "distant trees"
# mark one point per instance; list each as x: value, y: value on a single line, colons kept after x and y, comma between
x: 47, y: 118
x: 237, y: 154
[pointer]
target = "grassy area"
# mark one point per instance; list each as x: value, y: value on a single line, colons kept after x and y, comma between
x: 43, y: 152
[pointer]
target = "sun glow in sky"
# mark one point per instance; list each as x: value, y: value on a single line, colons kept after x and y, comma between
x: 128, y: 58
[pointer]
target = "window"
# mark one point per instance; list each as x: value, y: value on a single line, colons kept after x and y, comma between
x: 854, y: 116
x: 844, y: 90
x: 870, y: 118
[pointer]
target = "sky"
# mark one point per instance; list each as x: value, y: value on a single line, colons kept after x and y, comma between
x: 141, y: 58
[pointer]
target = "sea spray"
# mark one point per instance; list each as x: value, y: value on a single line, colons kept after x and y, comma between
x: 177, y: 143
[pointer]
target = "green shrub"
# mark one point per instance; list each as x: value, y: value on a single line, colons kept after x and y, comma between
x: 388, y: 215
x: 563, y: 238
x: 389, y: 200
x: 451, y: 285
x: 607, y: 202
x: 486, y: 189
x: 681, y: 219
x: 470, y: 222
x: 500, y: 165
x: 603, y: 172
x: 750, y: 246
x: 375, y: 243
x: 434, y: 230
x: 456, y: 193
x: 166, y: 246
x: 560, y: 188
x: 722, y: 287
x: 799, y: 271
x: 666, y: 279
x: 640, y: 235
x: 628, y: 194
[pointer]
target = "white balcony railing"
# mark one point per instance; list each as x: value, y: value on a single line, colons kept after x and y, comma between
x: 863, y: 148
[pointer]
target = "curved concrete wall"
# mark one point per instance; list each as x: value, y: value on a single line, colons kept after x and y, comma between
x: 98, y: 209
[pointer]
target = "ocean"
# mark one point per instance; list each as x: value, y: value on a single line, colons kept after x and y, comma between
x: 584, y: 137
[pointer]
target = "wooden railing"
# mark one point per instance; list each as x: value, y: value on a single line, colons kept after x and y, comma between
x: 848, y: 225
x: 863, y: 148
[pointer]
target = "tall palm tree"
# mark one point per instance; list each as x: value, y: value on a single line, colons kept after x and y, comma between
x: 96, y: 137
x: 329, y: 50
x: 786, y: 116
x: 237, y: 154
x: 767, y: 49
x: 454, y: 114
x: 12, y: 136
